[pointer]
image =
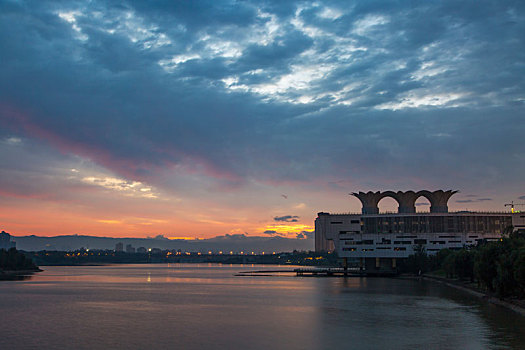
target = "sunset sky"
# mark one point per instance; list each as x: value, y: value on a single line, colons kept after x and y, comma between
x: 199, y: 119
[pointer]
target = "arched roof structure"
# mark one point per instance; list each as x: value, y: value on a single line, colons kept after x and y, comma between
x: 406, y: 200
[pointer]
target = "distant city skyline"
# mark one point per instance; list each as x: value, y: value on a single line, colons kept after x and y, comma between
x: 203, y: 119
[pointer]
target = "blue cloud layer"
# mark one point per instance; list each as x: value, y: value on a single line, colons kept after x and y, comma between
x: 302, y: 91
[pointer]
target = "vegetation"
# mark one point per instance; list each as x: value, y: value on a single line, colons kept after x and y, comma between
x: 497, y: 267
x: 14, y: 260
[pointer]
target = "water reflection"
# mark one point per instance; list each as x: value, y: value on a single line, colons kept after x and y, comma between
x: 15, y: 277
x: 207, y: 307
x: 399, y: 314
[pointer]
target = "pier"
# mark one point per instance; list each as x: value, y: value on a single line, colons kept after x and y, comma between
x: 322, y: 272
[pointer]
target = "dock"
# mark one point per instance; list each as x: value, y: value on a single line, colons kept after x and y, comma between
x: 322, y: 272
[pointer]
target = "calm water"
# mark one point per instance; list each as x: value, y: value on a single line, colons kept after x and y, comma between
x: 206, y: 307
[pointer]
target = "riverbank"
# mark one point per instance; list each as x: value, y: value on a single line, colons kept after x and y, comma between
x: 470, y: 288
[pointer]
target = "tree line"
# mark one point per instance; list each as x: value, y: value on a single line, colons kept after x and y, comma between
x: 14, y: 260
x: 497, y: 267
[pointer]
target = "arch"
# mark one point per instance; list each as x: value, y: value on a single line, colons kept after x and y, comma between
x: 370, y: 200
x: 391, y: 200
x: 422, y: 204
x: 427, y: 194
x: 439, y: 200
x: 406, y: 200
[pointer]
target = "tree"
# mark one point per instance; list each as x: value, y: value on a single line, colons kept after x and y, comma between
x: 485, y: 267
x: 519, y: 273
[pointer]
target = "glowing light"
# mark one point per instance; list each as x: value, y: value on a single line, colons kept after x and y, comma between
x: 112, y: 222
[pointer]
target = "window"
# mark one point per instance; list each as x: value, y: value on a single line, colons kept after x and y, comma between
x: 336, y: 222
x: 420, y: 241
x: 354, y: 221
x: 402, y: 242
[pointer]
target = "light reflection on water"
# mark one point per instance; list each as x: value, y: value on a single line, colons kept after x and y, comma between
x: 207, y: 307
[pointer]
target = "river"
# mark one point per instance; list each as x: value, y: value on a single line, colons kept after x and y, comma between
x: 190, y: 306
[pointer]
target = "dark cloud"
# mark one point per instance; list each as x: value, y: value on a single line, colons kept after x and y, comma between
x: 305, y: 235
x: 273, y: 233
x: 286, y: 218
x: 473, y: 200
x: 272, y: 92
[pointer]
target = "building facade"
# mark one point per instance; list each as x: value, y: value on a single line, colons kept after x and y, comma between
x: 383, y: 238
x: 5, y: 241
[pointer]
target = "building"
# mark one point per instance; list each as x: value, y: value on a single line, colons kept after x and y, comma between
x: 378, y: 239
x: 129, y: 248
x: 119, y: 247
x: 5, y: 241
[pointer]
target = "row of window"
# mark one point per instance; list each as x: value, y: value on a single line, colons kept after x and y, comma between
x: 340, y: 222
x: 397, y: 249
x: 387, y: 241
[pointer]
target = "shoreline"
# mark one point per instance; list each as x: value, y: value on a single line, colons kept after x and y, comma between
x: 458, y: 285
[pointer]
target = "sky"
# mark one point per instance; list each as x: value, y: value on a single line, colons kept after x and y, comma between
x: 207, y: 118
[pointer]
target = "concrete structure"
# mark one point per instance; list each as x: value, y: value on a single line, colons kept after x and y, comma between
x: 119, y: 247
x: 406, y: 200
x: 5, y: 241
x: 378, y: 239
x: 129, y: 248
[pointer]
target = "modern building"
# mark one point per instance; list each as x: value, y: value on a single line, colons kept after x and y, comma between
x: 119, y: 247
x: 5, y: 241
x: 378, y: 239
x: 130, y: 248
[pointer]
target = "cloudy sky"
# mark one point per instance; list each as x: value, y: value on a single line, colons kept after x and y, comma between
x: 198, y: 119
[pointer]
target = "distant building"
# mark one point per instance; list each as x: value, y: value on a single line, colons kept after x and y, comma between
x: 378, y: 239
x: 156, y: 251
x: 129, y: 248
x: 5, y: 241
x: 119, y: 247
x: 142, y: 250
